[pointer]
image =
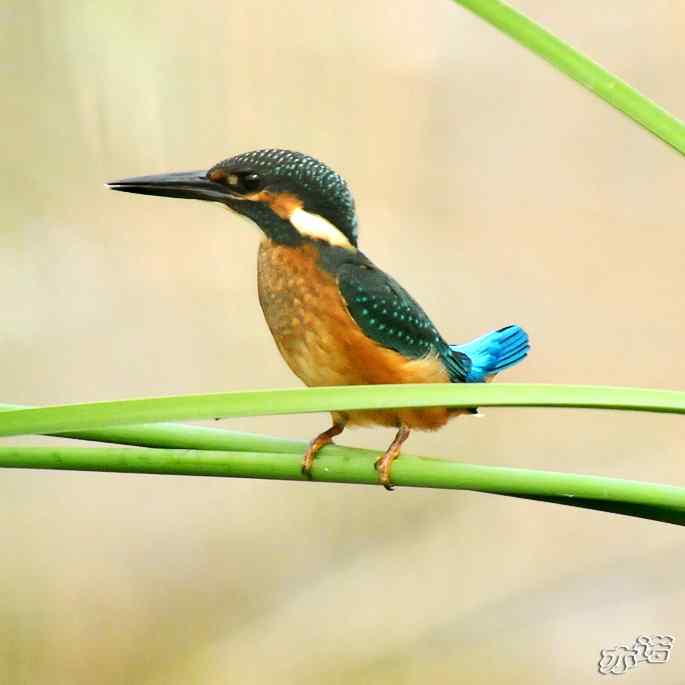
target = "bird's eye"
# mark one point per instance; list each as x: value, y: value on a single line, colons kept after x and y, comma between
x: 251, y: 182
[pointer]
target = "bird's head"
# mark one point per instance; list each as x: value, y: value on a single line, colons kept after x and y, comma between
x: 290, y: 196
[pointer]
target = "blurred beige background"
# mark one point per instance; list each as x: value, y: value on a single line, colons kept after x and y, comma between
x: 495, y: 189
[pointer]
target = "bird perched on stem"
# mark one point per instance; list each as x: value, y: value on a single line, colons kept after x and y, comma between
x: 337, y: 318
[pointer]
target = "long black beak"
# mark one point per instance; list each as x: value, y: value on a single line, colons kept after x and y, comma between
x: 193, y: 185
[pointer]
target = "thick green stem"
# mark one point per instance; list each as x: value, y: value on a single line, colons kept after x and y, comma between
x: 208, y: 451
x: 583, y: 70
x: 339, y: 465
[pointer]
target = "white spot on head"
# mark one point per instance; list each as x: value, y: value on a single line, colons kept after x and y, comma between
x: 315, y: 226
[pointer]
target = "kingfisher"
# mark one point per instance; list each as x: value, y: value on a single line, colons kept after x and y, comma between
x: 336, y: 317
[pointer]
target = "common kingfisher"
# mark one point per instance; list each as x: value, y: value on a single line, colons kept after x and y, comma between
x: 337, y: 318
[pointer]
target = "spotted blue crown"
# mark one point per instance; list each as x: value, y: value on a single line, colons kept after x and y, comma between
x: 321, y: 189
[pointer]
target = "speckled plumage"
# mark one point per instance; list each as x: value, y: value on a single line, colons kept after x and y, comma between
x: 387, y: 314
x: 322, y: 344
x: 322, y: 190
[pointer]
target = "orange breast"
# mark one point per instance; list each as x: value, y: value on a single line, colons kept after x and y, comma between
x: 322, y: 343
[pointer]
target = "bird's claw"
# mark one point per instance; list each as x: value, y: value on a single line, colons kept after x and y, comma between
x: 382, y: 465
x: 307, y: 465
x: 325, y: 438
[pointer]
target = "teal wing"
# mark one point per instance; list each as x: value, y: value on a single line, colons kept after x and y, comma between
x: 387, y: 314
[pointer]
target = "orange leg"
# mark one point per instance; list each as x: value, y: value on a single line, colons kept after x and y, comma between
x: 384, y: 463
x: 316, y: 444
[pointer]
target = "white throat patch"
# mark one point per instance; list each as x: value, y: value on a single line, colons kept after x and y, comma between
x: 315, y: 226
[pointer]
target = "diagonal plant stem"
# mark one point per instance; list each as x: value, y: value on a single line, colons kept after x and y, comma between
x: 582, y: 69
x: 646, y: 500
x: 76, y: 417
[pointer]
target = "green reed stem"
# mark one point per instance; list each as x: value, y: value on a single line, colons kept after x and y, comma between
x: 594, y: 77
x: 86, y: 416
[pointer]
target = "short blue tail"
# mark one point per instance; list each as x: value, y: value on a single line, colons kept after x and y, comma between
x: 494, y: 352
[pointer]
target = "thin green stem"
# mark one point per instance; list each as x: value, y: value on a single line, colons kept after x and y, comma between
x: 582, y: 69
x: 76, y: 417
x: 646, y: 500
x: 180, y: 436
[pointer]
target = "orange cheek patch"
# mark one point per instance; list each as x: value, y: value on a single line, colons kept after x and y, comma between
x: 282, y: 204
